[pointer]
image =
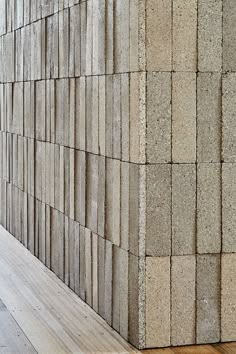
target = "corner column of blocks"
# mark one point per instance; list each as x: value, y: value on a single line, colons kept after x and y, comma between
x: 117, y: 157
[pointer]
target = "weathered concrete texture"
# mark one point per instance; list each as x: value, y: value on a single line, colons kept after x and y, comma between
x: 183, y: 300
x: 209, y: 117
x: 210, y: 35
x: 158, y: 219
x: 158, y: 117
x: 228, y: 299
x: 158, y: 35
x: 184, y: 117
x: 228, y: 207
x: 157, y: 302
x: 183, y: 209
x: 184, y: 35
x: 209, y: 208
x: 229, y: 39
x: 228, y: 118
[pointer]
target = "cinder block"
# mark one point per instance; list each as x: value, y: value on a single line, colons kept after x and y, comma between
x: 228, y: 121
x: 102, y: 301
x: 125, y: 118
x: 75, y: 267
x: 92, y: 192
x: 40, y: 110
x: 125, y: 205
x: 134, y: 205
x: 116, y: 288
x: 77, y: 48
x: 109, y: 37
x: 102, y: 115
x: 158, y: 117
x: 88, y: 267
x: 158, y: 214
x: 229, y: 39
x: 209, y: 117
x: 134, y: 325
x: 113, y: 201
x: 137, y: 117
x: 210, y: 35
x: 95, y: 271
x: 106, y: 291
x: 209, y: 208
x: 61, y: 206
x: 89, y: 38
x: 99, y: 40
x: 228, y: 207
x: 82, y: 263
x: 108, y: 119
x: 116, y: 118
x: 80, y: 112
x: 83, y: 17
x: 72, y: 184
x: 183, y: 284
x: 185, y: 35
x: 80, y: 187
x: 124, y: 293
x: 67, y: 181
x: 63, y: 43
x: 101, y: 195
x: 208, y: 321
x: 122, y: 38
x: 72, y: 114
x: 48, y: 237
x: 159, y: 35
x: 157, y: 302
x: 228, y: 300
x: 184, y: 117
x: 55, y: 45
x: 208, y: 298
x: 183, y: 209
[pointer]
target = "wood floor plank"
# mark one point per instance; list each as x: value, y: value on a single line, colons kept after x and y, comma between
x: 12, y: 338
x: 226, y: 348
x: 53, y: 317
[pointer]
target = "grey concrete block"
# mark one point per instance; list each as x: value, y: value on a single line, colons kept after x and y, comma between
x: 184, y: 117
x: 125, y: 206
x: 208, y: 276
x: 107, y: 268
x: 228, y: 121
x: 183, y: 284
x: 125, y: 118
x: 209, y: 117
x: 101, y: 195
x: 229, y: 39
x: 92, y: 192
x: 208, y: 321
x: 158, y: 117
x: 228, y: 300
x: 209, y: 208
x: 116, y: 118
x: 210, y: 35
x: 184, y: 35
x: 95, y: 271
x: 109, y: 37
x: 99, y: 39
x: 122, y: 38
x: 159, y: 35
x: 228, y: 207
x: 88, y: 268
x: 183, y: 209
x: 80, y: 187
x: 157, y: 302
x: 158, y: 214
x: 102, y: 115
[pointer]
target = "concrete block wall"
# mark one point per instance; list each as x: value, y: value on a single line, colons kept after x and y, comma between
x: 117, y: 157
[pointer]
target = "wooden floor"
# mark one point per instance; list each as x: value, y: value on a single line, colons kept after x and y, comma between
x: 39, y: 314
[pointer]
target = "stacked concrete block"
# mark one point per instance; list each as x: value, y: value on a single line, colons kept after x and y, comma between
x: 117, y: 157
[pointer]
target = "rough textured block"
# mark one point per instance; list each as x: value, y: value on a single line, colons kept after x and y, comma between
x: 183, y: 300
x: 158, y: 227
x: 229, y: 40
x: 184, y: 35
x: 158, y: 117
x: 183, y: 209
x: 209, y: 208
x: 159, y: 36
x: 210, y: 35
x: 209, y: 117
x: 158, y: 297
x: 184, y: 117
x: 228, y: 121
x: 228, y: 207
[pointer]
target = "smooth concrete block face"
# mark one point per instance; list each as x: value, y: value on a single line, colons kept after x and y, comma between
x: 158, y: 117
x: 210, y: 35
x: 228, y: 300
x: 183, y: 300
x: 228, y: 121
x: 183, y: 209
x: 184, y: 117
x: 208, y: 276
x: 157, y: 302
x: 209, y: 120
x: 159, y: 36
x: 228, y: 207
x: 209, y: 208
x: 92, y: 192
x: 158, y: 214
x: 184, y: 35
x: 229, y: 39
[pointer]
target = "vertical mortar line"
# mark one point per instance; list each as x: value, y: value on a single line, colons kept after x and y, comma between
x: 221, y: 165
x: 196, y: 168
x: 171, y: 164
